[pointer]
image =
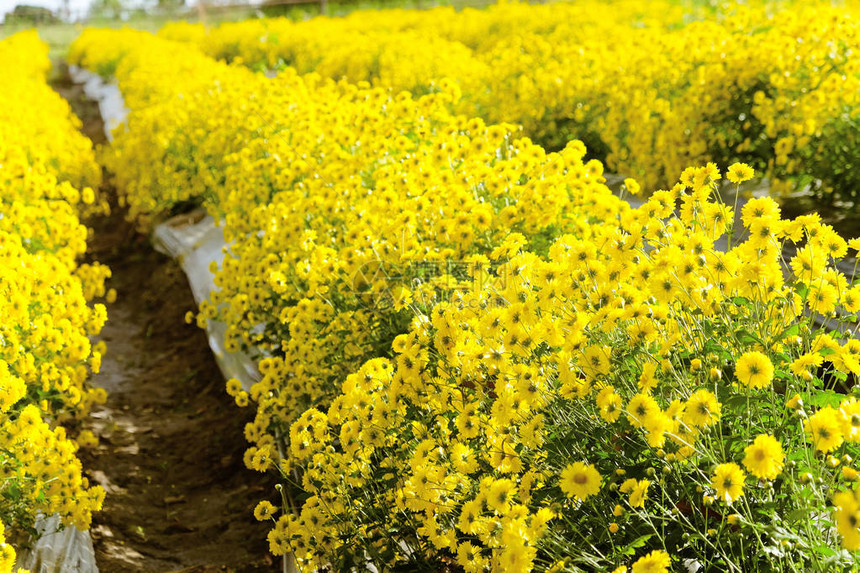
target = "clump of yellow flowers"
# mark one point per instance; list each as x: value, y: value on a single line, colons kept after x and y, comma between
x: 650, y: 87
x: 478, y: 354
x: 47, y: 174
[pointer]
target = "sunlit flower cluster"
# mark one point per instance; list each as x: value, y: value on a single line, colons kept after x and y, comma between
x: 650, y: 87
x: 47, y: 169
x: 475, y: 353
x: 662, y: 401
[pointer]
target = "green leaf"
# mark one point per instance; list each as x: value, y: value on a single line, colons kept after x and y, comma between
x: 735, y: 401
x: 792, y: 330
x: 631, y: 547
x: 822, y: 398
x: 747, y: 337
x: 797, y: 515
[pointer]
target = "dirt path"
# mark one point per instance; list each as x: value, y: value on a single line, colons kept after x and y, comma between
x: 171, y: 440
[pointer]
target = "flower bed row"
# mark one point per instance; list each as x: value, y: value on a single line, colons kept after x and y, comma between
x: 476, y: 354
x: 47, y: 170
x: 650, y: 88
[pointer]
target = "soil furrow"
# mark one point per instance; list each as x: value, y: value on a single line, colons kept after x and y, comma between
x: 170, y: 440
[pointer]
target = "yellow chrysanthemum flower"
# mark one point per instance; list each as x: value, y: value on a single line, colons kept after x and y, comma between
x: 702, y: 409
x: 849, y: 410
x: 847, y: 516
x: 754, y: 370
x: 655, y: 562
x: 580, y: 480
x: 641, y: 409
x: 824, y: 429
x: 739, y: 172
x: 639, y: 493
x: 632, y: 186
x: 728, y: 482
x: 764, y: 457
x: 264, y: 511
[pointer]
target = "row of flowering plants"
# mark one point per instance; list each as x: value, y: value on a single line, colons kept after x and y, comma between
x: 47, y: 174
x: 650, y: 87
x: 476, y: 356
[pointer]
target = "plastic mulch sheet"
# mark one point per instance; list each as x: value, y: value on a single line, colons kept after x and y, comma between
x: 111, y: 105
x: 195, y: 241
x: 66, y: 550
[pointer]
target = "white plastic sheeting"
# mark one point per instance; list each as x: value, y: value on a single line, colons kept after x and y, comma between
x: 59, y: 550
x: 195, y: 241
x: 111, y: 105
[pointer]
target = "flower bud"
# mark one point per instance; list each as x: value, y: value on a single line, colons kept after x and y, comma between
x: 613, y: 527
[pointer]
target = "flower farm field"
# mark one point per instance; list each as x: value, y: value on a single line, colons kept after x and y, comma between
x: 563, y: 287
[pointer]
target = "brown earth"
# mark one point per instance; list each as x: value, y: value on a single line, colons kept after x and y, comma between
x: 171, y: 441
